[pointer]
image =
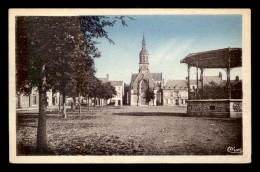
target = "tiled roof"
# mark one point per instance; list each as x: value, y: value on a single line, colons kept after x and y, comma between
x: 176, y: 84
x: 143, y: 51
x: 113, y: 83
x: 134, y: 75
x: 208, y: 79
x: 116, y: 83
x: 103, y: 79
x: 155, y: 76
x: 232, y: 82
x: 193, y: 82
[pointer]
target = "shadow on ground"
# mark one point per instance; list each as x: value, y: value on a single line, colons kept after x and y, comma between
x: 31, y: 150
x: 176, y: 114
x: 150, y: 114
x: 31, y: 120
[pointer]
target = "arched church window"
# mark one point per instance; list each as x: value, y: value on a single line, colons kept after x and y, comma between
x: 144, y: 86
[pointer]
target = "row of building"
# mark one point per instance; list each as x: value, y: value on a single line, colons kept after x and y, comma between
x: 55, y: 99
x: 174, y: 92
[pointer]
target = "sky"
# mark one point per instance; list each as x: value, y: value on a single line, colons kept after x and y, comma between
x: 169, y: 38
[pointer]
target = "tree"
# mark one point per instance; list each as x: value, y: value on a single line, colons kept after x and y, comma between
x: 108, y: 91
x: 95, y: 89
x: 213, y: 90
x: 149, y: 95
x: 48, y: 49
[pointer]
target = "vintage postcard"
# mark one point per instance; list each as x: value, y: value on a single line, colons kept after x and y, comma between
x: 130, y: 85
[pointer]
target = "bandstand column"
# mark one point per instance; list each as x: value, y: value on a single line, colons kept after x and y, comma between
x: 201, y: 73
x: 228, y: 78
x: 188, y: 82
x: 197, y: 79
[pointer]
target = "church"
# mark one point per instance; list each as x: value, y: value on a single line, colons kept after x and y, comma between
x: 144, y: 80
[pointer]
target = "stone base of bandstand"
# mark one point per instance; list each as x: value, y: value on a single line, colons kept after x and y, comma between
x: 222, y: 108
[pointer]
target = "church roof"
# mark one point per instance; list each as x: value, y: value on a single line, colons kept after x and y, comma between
x: 134, y: 75
x: 155, y: 76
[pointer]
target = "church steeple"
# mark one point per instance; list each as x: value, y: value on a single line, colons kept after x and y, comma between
x: 143, y: 43
x: 143, y: 55
x: 143, y: 51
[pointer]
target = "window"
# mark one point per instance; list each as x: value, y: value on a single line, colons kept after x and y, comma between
x: 34, y: 100
x: 171, y: 94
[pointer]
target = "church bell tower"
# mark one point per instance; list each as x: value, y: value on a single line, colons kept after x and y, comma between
x: 143, y: 55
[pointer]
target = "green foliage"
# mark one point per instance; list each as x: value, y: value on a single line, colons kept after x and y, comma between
x: 213, y: 91
x: 108, y: 91
x: 63, y: 46
x: 101, y: 90
x: 149, y: 95
x: 57, y: 53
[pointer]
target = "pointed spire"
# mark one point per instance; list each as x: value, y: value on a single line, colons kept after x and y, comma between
x: 143, y: 42
x: 143, y: 51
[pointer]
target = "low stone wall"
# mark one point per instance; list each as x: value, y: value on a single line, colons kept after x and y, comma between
x: 225, y: 108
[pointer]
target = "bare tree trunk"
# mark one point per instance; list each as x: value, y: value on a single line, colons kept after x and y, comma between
x: 64, y: 114
x: 95, y: 102
x: 79, y: 105
x: 59, y: 104
x: 72, y: 104
x: 41, y: 130
x: 88, y: 103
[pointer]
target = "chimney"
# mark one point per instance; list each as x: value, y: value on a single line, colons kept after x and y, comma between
x: 107, y: 77
x: 237, y: 78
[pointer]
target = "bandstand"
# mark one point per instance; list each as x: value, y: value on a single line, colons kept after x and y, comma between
x: 227, y: 59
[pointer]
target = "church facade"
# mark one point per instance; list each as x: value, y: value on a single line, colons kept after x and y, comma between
x: 144, y: 80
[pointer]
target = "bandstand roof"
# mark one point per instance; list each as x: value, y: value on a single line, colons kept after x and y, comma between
x: 215, y: 58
